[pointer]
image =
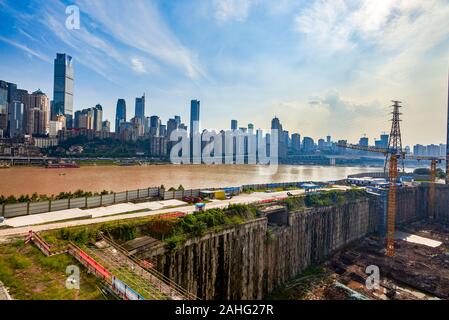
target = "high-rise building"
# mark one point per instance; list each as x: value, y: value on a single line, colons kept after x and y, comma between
x: 363, y: 141
x: 321, y: 144
x: 195, y: 130
x: 419, y: 150
x: 38, y: 114
x: 155, y: 124
x: 120, y: 114
x: 178, y: 120
x: 296, y: 142
x: 282, y: 145
x: 140, y: 108
x: 106, y: 126
x: 383, y: 142
x: 54, y: 128
x: 3, y: 108
x: 15, y: 119
x: 63, y: 88
x: 163, y: 130
x: 158, y: 146
x: 138, y: 126
x: 98, y: 117
x: 308, y: 145
x: 84, y: 119
x: 172, y: 125
x: 234, y: 124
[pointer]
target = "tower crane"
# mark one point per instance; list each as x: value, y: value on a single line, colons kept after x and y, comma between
x: 393, y: 153
x: 392, y: 156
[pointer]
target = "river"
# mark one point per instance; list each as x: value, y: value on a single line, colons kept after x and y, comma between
x: 26, y: 180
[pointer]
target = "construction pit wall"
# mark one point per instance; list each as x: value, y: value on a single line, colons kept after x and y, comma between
x: 249, y: 262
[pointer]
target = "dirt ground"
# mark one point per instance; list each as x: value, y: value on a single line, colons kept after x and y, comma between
x: 416, y: 271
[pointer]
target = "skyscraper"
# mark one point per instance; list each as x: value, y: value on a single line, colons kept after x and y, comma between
x: 308, y: 145
x: 140, y: 108
x: 63, y: 88
x: 282, y: 146
x: 15, y: 119
x: 120, y: 114
x: 195, y: 130
x: 98, y: 117
x: 3, y: 108
x: 296, y: 142
x: 234, y: 124
x: 38, y: 116
x: 155, y: 124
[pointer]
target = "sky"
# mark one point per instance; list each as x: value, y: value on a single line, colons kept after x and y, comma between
x: 322, y: 67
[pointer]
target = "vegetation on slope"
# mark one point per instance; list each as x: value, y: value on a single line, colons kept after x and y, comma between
x: 196, y: 224
x: 323, y: 199
x: 30, y: 275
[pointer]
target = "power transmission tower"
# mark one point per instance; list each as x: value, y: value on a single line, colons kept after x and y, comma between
x: 395, y: 141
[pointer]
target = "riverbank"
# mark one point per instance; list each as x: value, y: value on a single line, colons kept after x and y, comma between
x: 28, y: 180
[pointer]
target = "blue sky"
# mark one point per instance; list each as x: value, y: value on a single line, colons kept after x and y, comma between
x: 323, y: 67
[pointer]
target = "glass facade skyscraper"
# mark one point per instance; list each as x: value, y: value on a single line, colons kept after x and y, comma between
x: 120, y: 114
x: 15, y: 118
x: 234, y: 124
x: 3, y: 108
x: 194, y: 125
x: 63, y: 88
x: 140, y: 108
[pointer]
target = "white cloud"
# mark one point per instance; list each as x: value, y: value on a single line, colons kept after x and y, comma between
x: 391, y: 25
x: 226, y: 10
x: 331, y: 113
x: 138, y: 65
x: 140, y: 26
x: 26, y: 49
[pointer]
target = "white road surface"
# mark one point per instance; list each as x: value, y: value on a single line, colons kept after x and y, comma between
x: 49, y: 220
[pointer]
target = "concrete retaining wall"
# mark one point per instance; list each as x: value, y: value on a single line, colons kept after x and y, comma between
x: 243, y: 263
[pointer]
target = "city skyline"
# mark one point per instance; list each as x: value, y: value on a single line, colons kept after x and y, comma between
x: 307, y: 74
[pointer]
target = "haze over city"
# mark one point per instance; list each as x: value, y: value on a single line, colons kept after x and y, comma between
x: 322, y: 67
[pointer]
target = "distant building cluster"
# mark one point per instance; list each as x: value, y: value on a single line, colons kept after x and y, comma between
x: 43, y: 123
x: 433, y: 150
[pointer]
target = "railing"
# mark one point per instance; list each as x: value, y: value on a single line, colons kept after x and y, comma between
x: 27, y: 208
x: 42, y: 244
x: 118, y: 286
x: 176, y: 287
x: 91, y: 265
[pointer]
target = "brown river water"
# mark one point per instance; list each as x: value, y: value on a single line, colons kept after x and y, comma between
x: 26, y: 180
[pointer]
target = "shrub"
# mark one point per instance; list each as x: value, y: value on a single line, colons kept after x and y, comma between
x: 173, y: 242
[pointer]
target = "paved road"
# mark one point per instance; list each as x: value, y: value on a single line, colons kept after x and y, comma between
x: 7, y: 234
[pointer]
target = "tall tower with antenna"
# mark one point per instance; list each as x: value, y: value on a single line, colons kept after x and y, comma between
x: 395, y: 141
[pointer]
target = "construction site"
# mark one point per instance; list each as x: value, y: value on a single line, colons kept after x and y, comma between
x: 389, y: 242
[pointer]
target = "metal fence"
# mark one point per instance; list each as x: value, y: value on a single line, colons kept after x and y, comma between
x: 22, y: 209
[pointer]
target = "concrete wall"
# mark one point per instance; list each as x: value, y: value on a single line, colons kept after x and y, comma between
x: 243, y: 263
